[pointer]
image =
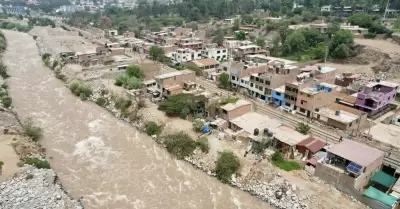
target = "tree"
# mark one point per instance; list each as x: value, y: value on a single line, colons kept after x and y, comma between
x: 260, y: 41
x: 332, y: 29
x: 342, y: 37
x: 362, y: 20
x: 308, y: 16
x: 152, y: 129
x: 303, y: 128
x: 224, y: 80
x: 240, y: 35
x: 134, y: 71
x: 227, y: 164
x: 182, y: 105
x: 157, y: 53
x: 35, y: 132
x: 247, y: 19
x: 396, y: 24
x: 219, y: 38
x: 295, y: 43
x: 180, y: 144
x: 341, y: 51
x: 236, y: 24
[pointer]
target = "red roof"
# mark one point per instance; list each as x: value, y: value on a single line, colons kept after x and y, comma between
x: 313, y: 161
x: 312, y: 144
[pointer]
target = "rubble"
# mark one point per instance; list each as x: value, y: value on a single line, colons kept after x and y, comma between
x: 35, y: 188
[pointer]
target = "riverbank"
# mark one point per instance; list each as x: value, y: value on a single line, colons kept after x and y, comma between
x: 24, y: 186
x: 271, y: 187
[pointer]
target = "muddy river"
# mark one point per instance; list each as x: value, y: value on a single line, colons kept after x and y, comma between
x: 99, y: 157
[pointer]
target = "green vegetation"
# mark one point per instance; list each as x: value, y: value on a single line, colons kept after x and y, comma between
x: 371, y: 22
x: 198, y: 125
x: 157, y: 53
x: 123, y: 104
x: 227, y: 164
x: 182, y: 105
x: 280, y: 162
x: 303, y: 128
x: 180, y: 145
x: 153, y: 129
x: 203, y: 144
x: 11, y: 25
x: 259, y: 147
x: 35, y: 132
x: 3, y: 70
x: 41, y: 22
x: 102, y: 102
x: 131, y: 79
x: 1, y: 167
x: 59, y: 75
x: 240, y: 35
x: 6, y: 101
x: 38, y: 163
x: 224, y: 81
x: 229, y: 100
x: 46, y: 59
x: 370, y: 35
x: 3, y: 43
x: 81, y: 90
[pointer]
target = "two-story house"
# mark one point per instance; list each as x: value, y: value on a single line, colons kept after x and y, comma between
x: 376, y: 97
x: 191, y: 43
x: 174, y: 82
x: 184, y: 55
x: 242, y: 51
x: 311, y: 99
x: 211, y: 51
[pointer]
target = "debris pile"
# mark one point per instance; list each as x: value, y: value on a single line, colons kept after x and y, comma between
x: 35, y: 188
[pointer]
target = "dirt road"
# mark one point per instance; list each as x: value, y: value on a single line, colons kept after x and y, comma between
x: 101, y: 158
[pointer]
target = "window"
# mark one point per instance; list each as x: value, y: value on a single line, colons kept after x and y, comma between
x: 350, y: 124
x: 302, y: 110
x: 218, y: 52
x: 287, y: 104
x: 224, y: 51
x: 268, y: 83
x: 303, y: 102
x: 218, y: 57
x: 224, y: 111
x: 241, y: 80
x: 233, y: 78
x: 257, y: 79
x: 251, y: 85
x: 278, y: 94
x: 261, y: 80
x: 260, y: 88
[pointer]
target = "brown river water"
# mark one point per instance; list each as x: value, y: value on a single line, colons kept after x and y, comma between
x: 97, y: 156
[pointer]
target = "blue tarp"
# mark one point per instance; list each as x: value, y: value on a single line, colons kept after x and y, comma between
x: 206, y: 129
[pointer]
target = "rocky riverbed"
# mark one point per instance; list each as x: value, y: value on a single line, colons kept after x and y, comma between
x: 35, y: 188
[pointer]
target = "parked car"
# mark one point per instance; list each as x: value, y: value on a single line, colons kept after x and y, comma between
x: 287, y: 109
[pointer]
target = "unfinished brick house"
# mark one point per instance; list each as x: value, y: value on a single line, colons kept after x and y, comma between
x: 173, y: 83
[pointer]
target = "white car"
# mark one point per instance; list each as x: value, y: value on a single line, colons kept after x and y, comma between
x: 287, y: 109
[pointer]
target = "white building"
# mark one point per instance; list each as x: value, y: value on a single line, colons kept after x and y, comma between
x: 326, y: 8
x: 215, y: 52
x: 70, y: 8
x: 184, y: 55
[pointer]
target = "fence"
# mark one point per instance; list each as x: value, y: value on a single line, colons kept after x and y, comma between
x: 345, y: 184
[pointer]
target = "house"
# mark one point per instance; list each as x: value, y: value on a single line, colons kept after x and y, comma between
x: 233, y: 110
x: 278, y: 96
x: 346, y: 79
x: 174, y: 82
x: 341, y: 117
x: 345, y: 99
x: 207, y: 66
x: 240, y: 74
x: 320, y: 73
x: 242, y: 51
x: 376, y: 97
x: 211, y: 51
x: 184, y: 55
x: 228, y: 21
x: 191, y: 43
x: 349, y: 164
x: 110, y: 33
x: 117, y: 51
x: 285, y: 139
x: 309, y: 147
x: 311, y: 99
x: 262, y: 84
x: 243, y: 126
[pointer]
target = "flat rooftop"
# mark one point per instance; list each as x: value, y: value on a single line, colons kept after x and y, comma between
x: 343, y: 116
x: 249, y: 121
x: 172, y: 74
x: 386, y: 133
x: 280, y: 89
x: 288, y: 135
x: 232, y: 106
x: 383, y: 83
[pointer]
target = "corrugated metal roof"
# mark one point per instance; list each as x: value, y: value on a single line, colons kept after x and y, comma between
x: 355, y: 152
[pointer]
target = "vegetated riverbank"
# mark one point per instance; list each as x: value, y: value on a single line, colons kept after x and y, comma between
x: 278, y: 192
x: 25, y: 186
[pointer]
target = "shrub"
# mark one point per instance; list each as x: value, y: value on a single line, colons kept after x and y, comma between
x: 203, y: 144
x: 370, y: 35
x: 182, y: 105
x: 101, y: 101
x: 60, y: 76
x: 121, y: 80
x: 6, y: 101
x: 134, y: 71
x: 35, y: 132
x: 227, y: 164
x: 80, y: 90
x: 123, y: 104
x: 280, y: 162
x: 132, y: 83
x: 3, y: 71
x: 4, y: 86
x: 55, y: 63
x: 180, y: 145
x: 38, y: 163
x: 198, y: 125
x: 45, y: 56
x: 303, y: 128
x: 152, y: 129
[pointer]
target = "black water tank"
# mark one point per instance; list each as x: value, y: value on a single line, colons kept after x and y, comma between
x: 266, y: 131
x: 256, y: 131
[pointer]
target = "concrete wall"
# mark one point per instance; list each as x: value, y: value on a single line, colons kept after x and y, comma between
x: 237, y: 112
x: 179, y: 79
x: 278, y: 98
